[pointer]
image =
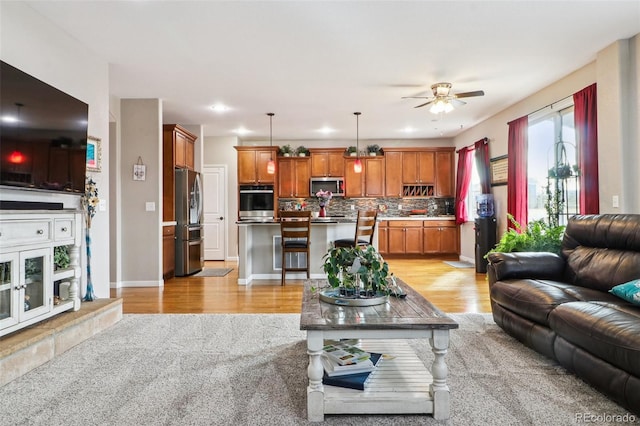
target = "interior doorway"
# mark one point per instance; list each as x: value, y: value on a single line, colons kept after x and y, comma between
x: 214, y: 183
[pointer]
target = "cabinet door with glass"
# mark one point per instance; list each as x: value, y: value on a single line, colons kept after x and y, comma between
x: 34, y: 292
x: 9, y: 278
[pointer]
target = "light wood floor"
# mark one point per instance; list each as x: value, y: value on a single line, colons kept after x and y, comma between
x: 453, y: 290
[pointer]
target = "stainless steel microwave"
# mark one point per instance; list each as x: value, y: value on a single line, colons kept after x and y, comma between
x: 333, y: 184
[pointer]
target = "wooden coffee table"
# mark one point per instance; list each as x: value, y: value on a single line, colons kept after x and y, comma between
x: 402, y: 384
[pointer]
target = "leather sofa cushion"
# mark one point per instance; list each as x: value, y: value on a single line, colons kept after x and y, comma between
x: 535, y: 299
x: 610, y: 331
x: 601, y: 268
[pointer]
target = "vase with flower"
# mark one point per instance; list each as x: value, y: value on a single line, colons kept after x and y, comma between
x: 90, y: 203
x: 323, y: 200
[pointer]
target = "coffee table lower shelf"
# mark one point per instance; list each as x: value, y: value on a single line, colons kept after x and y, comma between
x: 398, y: 385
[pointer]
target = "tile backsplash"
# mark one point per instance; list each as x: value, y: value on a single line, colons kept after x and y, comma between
x: 387, y: 206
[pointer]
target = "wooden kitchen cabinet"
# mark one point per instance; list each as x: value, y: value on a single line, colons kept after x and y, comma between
x: 383, y: 237
x: 418, y: 167
x: 252, y: 164
x: 177, y: 152
x: 441, y: 237
x: 168, y: 251
x: 445, y: 186
x: 370, y: 182
x: 393, y: 173
x: 327, y: 162
x: 405, y: 237
x: 293, y: 177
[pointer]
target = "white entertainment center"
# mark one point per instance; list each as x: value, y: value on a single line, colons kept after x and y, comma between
x: 32, y: 287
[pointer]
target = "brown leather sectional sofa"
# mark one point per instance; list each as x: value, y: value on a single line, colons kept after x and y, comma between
x: 560, y: 305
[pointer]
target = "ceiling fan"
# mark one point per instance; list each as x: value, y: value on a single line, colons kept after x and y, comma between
x: 442, y: 99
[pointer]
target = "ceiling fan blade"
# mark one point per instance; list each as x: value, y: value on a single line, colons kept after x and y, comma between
x: 424, y: 104
x: 469, y: 94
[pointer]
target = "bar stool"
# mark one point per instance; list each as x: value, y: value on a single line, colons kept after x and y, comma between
x: 365, y: 227
x: 295, y: 228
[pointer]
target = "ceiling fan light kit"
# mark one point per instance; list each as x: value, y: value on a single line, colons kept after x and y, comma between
x: 442, y: 99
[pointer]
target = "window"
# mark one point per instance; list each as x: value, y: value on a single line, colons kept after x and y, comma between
x: 474, y: 190
x: 552, y: 158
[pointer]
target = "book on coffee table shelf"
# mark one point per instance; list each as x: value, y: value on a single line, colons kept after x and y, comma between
x: 354, y: 380
x: 344, y: 352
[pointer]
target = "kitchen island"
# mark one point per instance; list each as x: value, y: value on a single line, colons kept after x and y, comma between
x: 260, y: 253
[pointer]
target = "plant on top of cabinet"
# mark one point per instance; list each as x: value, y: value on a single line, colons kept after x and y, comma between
x: 302, y: 151
x: 374, y: 149
x: 285, y: 150
x: 352, y: 151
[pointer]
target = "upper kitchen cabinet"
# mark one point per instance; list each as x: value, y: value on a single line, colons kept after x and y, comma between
x: 445, y: 186
x: 418, y: 167
x: 393, y: 173
x: 370, y: 182
x: 179, y: 143
x: 327, y: 162
x: 293, y: 177
x: 252, y: 164
x: 177, y: 151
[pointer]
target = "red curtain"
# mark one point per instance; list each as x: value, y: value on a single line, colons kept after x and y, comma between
x: 517, y: 191
x: 463, y: 179
x: 586, y: 124
x: 481, y: 149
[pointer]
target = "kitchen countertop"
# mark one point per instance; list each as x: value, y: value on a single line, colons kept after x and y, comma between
x: 350, y: 219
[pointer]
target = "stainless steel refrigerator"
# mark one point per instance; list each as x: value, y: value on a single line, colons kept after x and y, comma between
x: 189, y: 233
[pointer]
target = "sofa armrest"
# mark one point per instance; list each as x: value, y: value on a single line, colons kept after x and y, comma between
x: 536, y: 265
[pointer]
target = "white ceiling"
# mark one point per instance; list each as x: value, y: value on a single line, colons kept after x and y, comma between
x: 313, y: 63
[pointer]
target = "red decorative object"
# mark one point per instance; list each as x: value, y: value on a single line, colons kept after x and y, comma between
x: 323, y: 212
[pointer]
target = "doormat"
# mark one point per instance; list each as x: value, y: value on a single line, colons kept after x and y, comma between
x: 458, y: 264
x: 213, y: 272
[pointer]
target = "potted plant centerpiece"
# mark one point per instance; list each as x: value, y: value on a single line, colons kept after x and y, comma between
x: 302, y: 151
x: 357, y: 276
x: 374, y: 150
x: 285, y: 150
x: 352, y: 151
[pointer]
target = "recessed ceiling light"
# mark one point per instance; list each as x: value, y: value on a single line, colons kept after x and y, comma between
x: 408, y: 129
x: 241, y: 131
x: 9, y: 119
x: 220, y: 108
x: 326, y: 130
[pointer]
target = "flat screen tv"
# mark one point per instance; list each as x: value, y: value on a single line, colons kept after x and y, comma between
x: 43, y: 135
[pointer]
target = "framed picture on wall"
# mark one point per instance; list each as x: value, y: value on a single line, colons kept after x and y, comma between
x: 94, y: 154
x: 499, y: 169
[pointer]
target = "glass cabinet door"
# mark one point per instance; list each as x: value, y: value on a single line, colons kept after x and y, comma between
x: 34, y: 274
x: 8, y: 290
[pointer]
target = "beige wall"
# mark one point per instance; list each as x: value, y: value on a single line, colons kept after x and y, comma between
x: 141, y: 136
x: 36, y: 46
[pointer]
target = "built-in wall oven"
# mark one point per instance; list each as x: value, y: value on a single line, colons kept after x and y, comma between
x: 256, y: 202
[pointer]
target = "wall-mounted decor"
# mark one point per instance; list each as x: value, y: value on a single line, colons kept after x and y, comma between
x: 139, y: 170
x: 499, y: 170
x: 94, y: 154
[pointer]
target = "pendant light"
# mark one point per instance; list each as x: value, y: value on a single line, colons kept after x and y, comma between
x: 357, y: 165
x: 271, y: 165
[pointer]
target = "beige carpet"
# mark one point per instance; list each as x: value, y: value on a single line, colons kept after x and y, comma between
x: 251, y: 370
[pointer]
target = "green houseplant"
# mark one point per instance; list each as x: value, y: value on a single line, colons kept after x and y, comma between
x: 374, y: 149
x: 356, y: 268
x: 61, y: 258
x: 351, y: 151
x: 536, y: 236
x: 302, y: 151
x: 285, y: 150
